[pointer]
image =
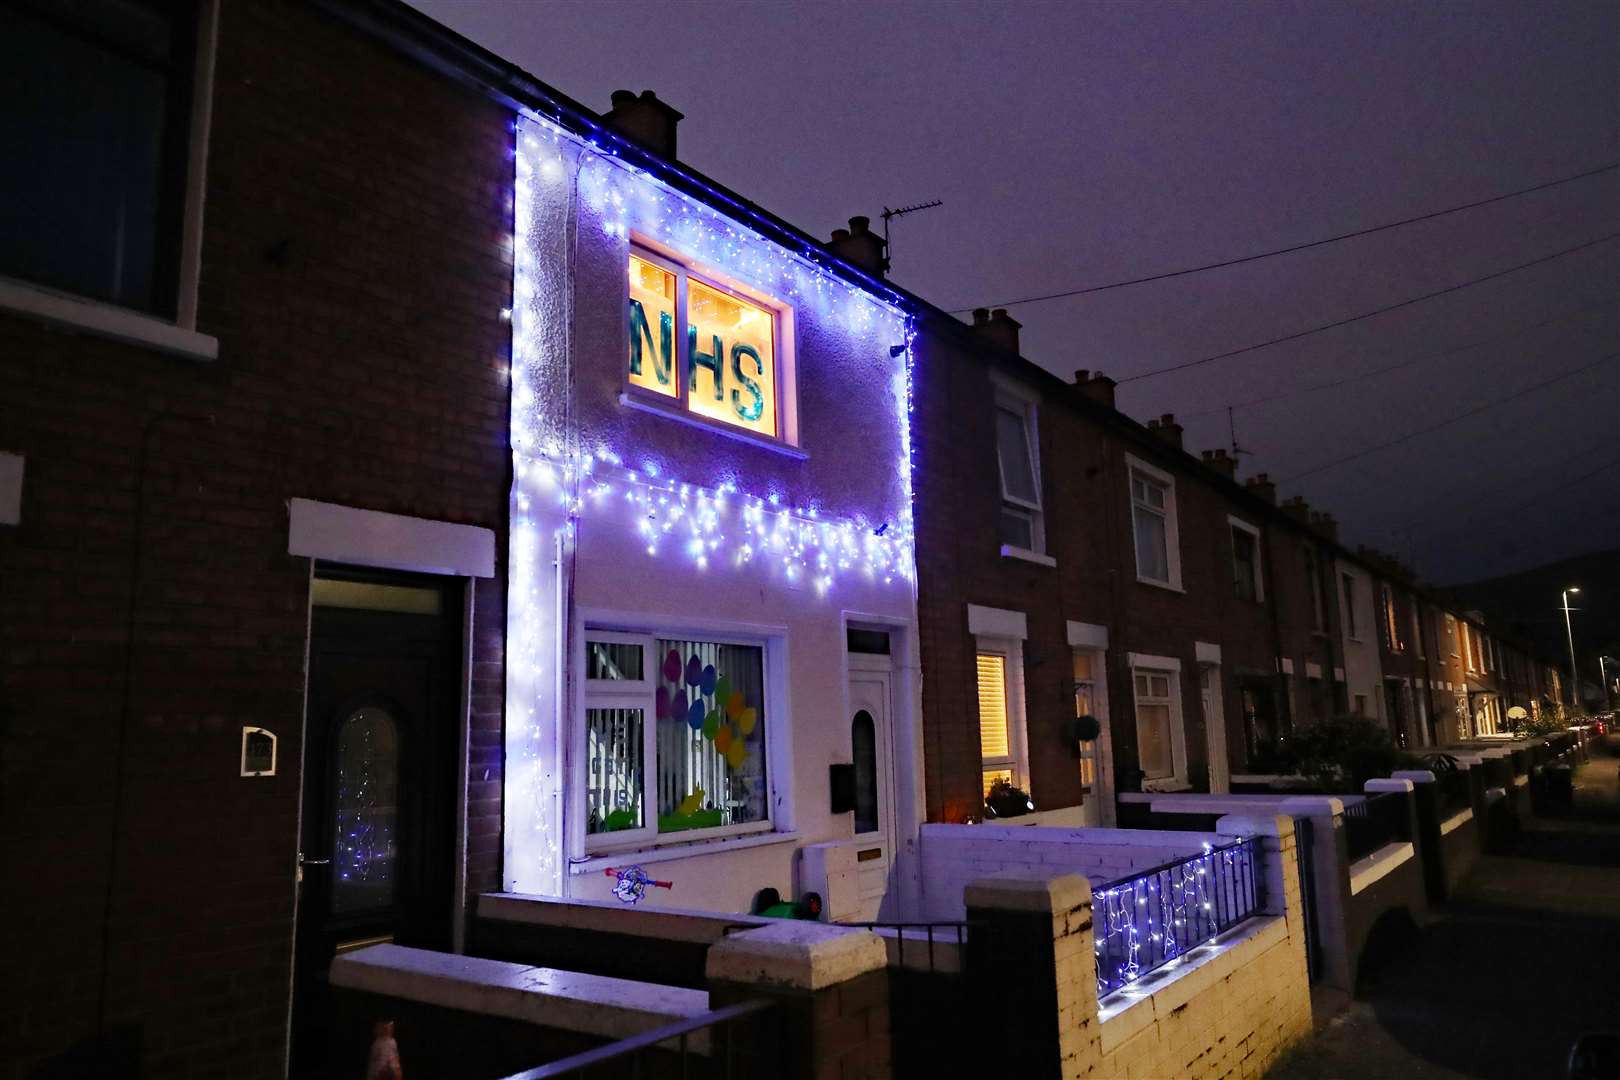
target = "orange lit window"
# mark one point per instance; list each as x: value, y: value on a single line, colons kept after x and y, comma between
x: 710, y: 349
x: 995, y: 731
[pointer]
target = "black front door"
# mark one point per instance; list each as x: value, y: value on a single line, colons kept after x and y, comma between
x: 380, y: 743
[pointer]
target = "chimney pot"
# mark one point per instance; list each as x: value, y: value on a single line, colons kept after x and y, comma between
x: 1260, y: 484
x: 859, y: 246
x: 1099, y: 387
x: 1297, y: 508
x: 1080, y: 376
x: 1167, y: 429
x: 997, y: 327
x: 1219, y: 460
x: 645, y: 120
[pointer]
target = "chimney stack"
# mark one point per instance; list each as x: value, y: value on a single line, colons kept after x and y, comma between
x: 1260, y: 484
x: 1222, y: 462
x: 1326, y: 524
x: 645, y: 119
x: 1298, y: 509
x: 1166, y: 428
x: 1096, y: 386
x: 998, y: 328
x: 859, y: 246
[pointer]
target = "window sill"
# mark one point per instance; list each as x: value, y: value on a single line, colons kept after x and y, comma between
x: 1008, y: 551
x: 104, y: 320
x: 1166, y: 786
x: 596, y: 863
x: 633, y: 401
x: 1165, y: 585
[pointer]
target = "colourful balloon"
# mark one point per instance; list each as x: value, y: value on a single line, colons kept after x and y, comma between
x: 722, y: 690
x: 747, y: 719
x: 661, y: 703
x: 677, y: 706
x: 735, y: 704
x: 694, y: 715
x: 711, y: 725
x: 694, y: 671
x: 707, y: 680
x: 672, y: 666
x: 736, y: 754
x: 722, y: 738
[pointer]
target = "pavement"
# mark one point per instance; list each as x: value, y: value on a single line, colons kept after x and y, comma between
x: 1500, y: 980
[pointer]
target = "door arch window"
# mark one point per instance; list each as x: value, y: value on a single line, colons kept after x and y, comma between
x: 863, y: 742
x: 366, y: 797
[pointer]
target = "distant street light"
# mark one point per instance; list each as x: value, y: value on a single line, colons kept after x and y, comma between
x: 1574, y: 676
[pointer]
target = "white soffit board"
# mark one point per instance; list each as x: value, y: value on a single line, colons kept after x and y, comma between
x: 11, y: 479
x: 997, y: 622
x: 346, y: 534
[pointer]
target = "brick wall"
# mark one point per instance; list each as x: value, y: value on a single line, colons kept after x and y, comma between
x: 354, y: 264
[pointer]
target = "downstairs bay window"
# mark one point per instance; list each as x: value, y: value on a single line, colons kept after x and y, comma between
x: 674, y: 739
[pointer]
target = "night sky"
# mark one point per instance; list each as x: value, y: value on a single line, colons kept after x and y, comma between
x: 1080, y: 144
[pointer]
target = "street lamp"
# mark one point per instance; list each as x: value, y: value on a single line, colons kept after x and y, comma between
x: 1574, y: 677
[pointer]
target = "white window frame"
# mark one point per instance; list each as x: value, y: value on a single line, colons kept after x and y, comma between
x: 1390, y: 617
x: 609, y: 693
x: 1014, y: 399
x: 1451, y: 632
x: 1172, y: 532
x: 1011, y: 650
x: 1347, y: 589
x: 177, y: 336
x: 1259, y: 572
x: 1143, y: 664
x: 784, y: 380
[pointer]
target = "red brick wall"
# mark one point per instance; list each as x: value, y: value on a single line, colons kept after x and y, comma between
x: 1088, y: 531
x: 355, y: 261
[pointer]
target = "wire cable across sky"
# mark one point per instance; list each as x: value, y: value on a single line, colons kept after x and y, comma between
x: 1087, y: 290
x: 1475, y: 411
x: 1183, y: 366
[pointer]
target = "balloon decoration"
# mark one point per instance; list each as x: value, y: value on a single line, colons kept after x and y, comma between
x: 706, y: 701
x: 630, y: 883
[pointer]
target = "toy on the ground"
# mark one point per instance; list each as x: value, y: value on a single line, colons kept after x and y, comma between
x: 769, y: 903
x: 631, y: 883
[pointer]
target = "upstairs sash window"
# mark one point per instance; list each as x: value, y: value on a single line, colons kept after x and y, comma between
x: 703, y: 348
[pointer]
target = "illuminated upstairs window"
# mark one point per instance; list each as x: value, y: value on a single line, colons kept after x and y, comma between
x: 703, y: 349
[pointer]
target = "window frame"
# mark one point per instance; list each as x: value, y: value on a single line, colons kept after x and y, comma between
x: 1016, y: 760
x: 1313, y: 571
x: 1392, y: 626
x: 1451, y: 632
x: 1172, y: 531
x: 612, y: 693
x: 1008, y: 398
x: 1235, y: 525
x: 1347, y: 586
x: 171, y: 326
x: 1169, y: 666
x: 784, y: 383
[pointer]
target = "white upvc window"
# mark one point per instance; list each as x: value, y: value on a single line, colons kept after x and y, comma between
x: 673, y: 740
x: 1161, y: 744
x: 1247, y: 580
x: 1018, y: 462
x: 999, y: 670
x: 1153, y: 525
x: 708, y: 351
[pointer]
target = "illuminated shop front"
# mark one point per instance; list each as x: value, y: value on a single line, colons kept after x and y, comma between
x: 712, y: 501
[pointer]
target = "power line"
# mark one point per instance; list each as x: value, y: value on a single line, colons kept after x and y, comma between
x: 1368, y: 314
x: 1468, y: 514
x: 1608, y: 302
x: 1448, y: 422
x: 1299, y: 247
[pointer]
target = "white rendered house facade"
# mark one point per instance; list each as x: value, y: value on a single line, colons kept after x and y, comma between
x: 712, y: 589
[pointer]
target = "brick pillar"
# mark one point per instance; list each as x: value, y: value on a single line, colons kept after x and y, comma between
x: 830, y: 985
x: 1426, y: 810
x: 1280, y: 863
x: 1330, y: 886
x: 1031, y: 967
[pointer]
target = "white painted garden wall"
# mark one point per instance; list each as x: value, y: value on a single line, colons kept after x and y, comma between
x: 955, y: 855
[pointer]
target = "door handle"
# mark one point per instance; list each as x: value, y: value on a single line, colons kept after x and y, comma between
x: 312, y: 862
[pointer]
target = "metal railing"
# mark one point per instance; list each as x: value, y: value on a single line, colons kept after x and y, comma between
x: 1375, y: 821
x: 954, y: 933
x: 672, y: 1050
x: 1144, y: 921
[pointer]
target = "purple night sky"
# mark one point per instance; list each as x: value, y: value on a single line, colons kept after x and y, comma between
x: 1079, y: 144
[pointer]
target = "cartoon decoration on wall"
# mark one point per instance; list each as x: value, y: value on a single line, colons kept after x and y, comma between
x: 631, y: 882
x: 720, y: 714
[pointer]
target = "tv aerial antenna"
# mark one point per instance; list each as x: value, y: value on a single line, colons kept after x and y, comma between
x: 902, y: 211
x: 1231, y: 430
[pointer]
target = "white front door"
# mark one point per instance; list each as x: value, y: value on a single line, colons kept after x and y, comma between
x: 870, y: 732
x: 1220, y: 769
